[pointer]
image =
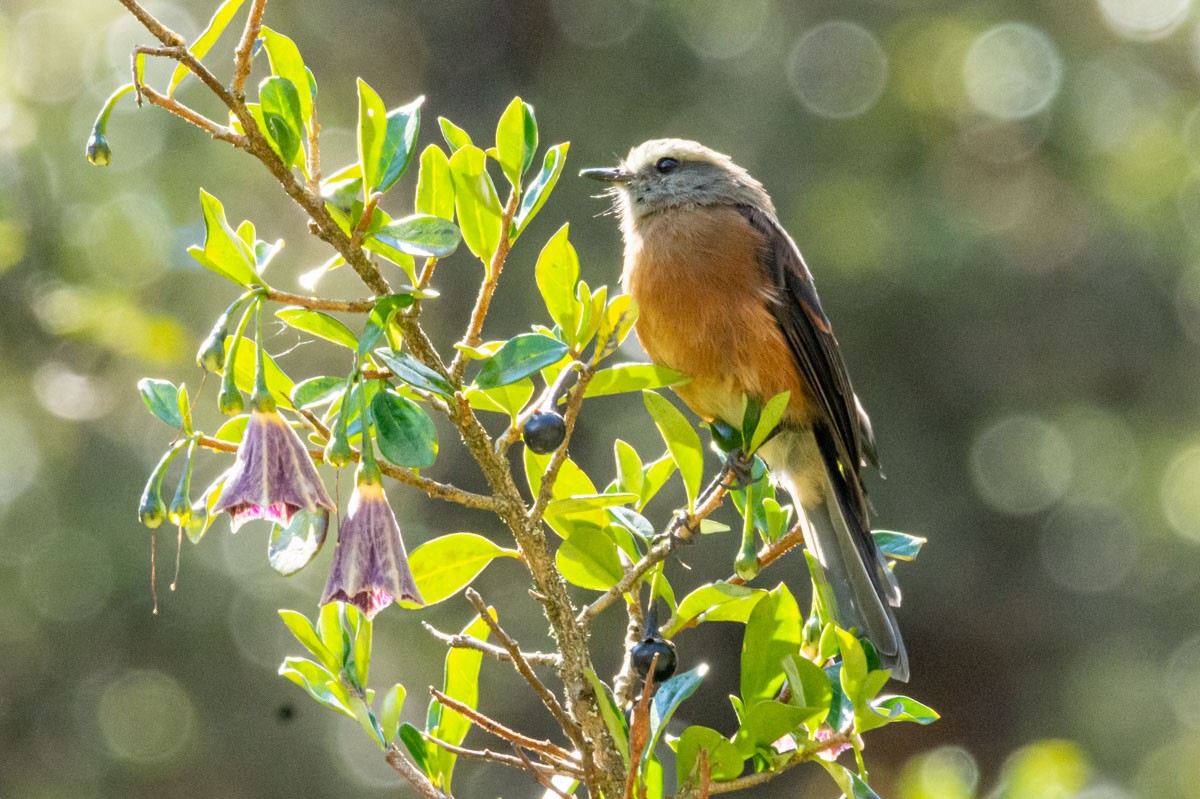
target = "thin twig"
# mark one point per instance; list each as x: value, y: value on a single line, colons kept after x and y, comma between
x: 245, y: 48
x: 164, y: 34
x: 680, y: 529
x: 522, y: 666
x: 488, y: 724
x: 543, y: 780
x: 314, y: 153
x: 399, y: 761
x: 319, y: 303
x: 639, y: 729
x: 216, y: 130
x: 625, y: 680
x: 800, y: 756
x: 498, y: 757
x: 460, y: 641
x: 550, y: 476
x: 484, y: 300
x: 431, y: 487
x: 364, y: 221
x: 705, y: 774
x: 773, y: 552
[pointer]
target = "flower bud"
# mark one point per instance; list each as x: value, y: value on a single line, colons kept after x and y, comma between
x: 98, y: 152
x: 151, y: 510
x: 746, y: 564
x: 230, y: 400
x: 337, y: 451
x: 211, y: 355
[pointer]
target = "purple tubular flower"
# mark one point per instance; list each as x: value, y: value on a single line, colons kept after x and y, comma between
x: 273, y: 476
x: 370, y: 567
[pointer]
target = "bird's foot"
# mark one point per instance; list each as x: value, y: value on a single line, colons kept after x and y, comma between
x: 740, y: 468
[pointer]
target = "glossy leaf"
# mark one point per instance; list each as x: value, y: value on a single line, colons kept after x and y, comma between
x: 278, y: 383
x: 161, y: 398
x: 773, y: 631
x: 223, y: 252
x: 318, y: 324
x: 280, y: 103
x: 626, y: 377
x: 389, y: 712
x: 851, y: 784
x: 520, y: 357
x: 618, y: 319
x: 372, y: 134
x: 682, y: 442
x: 539, y: 189
x: 476, y: 202
x: 400, y: 140
x: 405, y: 433
x: 306, y: 634
x: 204, y: 42
x: 378, y: 319
x: 725, y: 762
x: 286, y: 62
x: 614, y: 719
x: 588, y: 558
x: 446, y: 565
x: 435, y: 185
x: 316, y: 391
x: 582, y: 503
x: 898, y: 546
x: 421, y: 235
x: 629, y: 468
x: 291, y: 548
x: 903, y: 708
x: 810, y: 687
x: 718, y: 601
x: 415, y: 373
x: 769, y: 419
x: 461, y: 683
x: 655, y: 476
x: 557, y: 274
x: 318, y: 682
x: 516, y: 140
x: 508, y: 399
x: 766, y: 722
x: 455, y: 137
x: 667, y: 699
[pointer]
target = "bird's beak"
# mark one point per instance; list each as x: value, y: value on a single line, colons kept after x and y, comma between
x: 608, y: 175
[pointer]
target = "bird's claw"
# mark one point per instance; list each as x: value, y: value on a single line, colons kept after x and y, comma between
x: 740, y: 468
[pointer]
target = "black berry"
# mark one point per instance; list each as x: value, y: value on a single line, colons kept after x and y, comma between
x: 643, y: 655
x: 544, y: 432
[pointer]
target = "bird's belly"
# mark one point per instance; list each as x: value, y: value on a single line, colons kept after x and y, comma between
x: 704, y: 309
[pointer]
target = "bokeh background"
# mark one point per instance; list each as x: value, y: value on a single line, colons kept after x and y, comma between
x: 1000, y: 201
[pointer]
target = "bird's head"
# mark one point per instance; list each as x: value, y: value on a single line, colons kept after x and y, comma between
x: 670, y: 173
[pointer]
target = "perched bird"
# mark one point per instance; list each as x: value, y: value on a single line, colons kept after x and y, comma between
x: 725, y: 297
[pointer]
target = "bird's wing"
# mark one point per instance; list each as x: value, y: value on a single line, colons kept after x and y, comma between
x: 815, y: 349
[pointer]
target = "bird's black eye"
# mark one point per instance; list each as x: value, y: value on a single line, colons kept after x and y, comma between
x: 666, y: 165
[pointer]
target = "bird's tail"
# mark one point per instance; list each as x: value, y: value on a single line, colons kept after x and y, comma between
x: 864, y: 588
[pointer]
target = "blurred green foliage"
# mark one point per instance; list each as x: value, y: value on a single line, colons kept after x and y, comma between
x: 999, y: 202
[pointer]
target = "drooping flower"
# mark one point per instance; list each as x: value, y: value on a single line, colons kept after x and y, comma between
x: 370, y: 567
x: 273, y: 476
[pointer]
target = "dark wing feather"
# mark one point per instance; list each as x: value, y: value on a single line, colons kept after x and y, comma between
x: 810, y: 337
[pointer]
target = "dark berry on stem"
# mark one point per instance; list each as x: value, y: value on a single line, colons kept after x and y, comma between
x: 544, y: 432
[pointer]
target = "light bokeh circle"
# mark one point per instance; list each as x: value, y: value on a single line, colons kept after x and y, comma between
x: 1012, y: 71
x: 838, y: 69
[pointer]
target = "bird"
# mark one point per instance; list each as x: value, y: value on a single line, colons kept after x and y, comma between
x: 724, y: 296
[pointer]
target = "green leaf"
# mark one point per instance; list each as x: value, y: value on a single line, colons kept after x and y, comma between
x: 316, y: 391
x: 329, y: 625
x: 320, y: 684
x: 618, y: 319
x: 582, y: 503
x: 422, y: 235
x: 318, y: 324
x: 446, y: 565
x: 851, y: 784
x: 380, y: 316
x: 626, y: 377
x: 614, y: 719
x: 768, y: 420
x: 280, y: 103
x: 435, y: 185
x: 516, y: 140
x: 557, y: 274
x: 520, y: 357
x: 655, y: 476
x: 363, y: 635
x: 903, y: 708
x: 223, y: 252
x: 286, y: 63
x: 718, y: 601
x: 766, y: 722
x: 161, y: 398
x: 588, y: 558
x: 539, y: 190
x: 400, y: 139
x: 306, y: 634
x: 291, y: 548
x: 208, y: 37
x: 725, y: 762
x: 279, y: 384
x: 508, y: 399
x: 389, y: 714
x: 372, y: 134
x: 455, y: 137
x: 415, y: 373
x: 898, y: 546
x: 424, y: 755
x: 405, y: 433
x: 810, y: 687
x: 773, y: 632
x: 682, y: 442
x: 461, y: 683
x: 667, y: 698
x: 476, y: 201
x: 629, y: 468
